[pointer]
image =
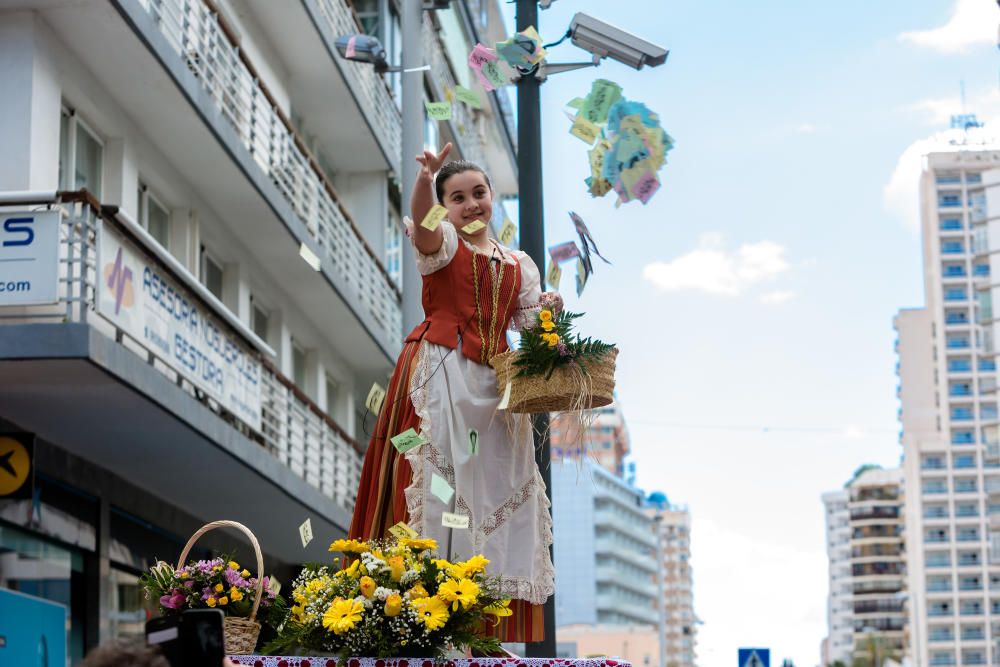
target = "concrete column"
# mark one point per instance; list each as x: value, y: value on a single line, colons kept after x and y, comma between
x: 29, y: 114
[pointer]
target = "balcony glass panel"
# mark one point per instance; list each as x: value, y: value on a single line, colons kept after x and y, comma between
x: 963, y: 438
x: 952, y: 248
x: 981, y: 270
x: 987, y: 365
x: 955, y: 295
x: 959, y: 365
x: 950, y: 224
x: 964, y: 461
x: 961, y: 414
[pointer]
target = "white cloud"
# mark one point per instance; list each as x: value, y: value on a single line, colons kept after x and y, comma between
x: 777, y: 297
x: 711, y: 268
x: 901, y: 195
x: 937, y: 111
x: 806, y: 128
x: 972, y: 22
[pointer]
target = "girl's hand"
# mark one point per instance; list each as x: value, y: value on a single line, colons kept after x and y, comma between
x: 431, y: 163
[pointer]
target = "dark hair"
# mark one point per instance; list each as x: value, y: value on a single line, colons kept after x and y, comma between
x: 121, y: 653
x: 452, y: 168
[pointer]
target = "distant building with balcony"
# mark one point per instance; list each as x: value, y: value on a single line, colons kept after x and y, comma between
x: 948, y: 413
x: 212, y: 197
x: 606, y: 555
x: 600, y: 435
x: 672, y: 523
x: 839, y: 641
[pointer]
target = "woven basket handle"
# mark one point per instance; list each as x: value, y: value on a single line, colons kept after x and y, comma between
x: 253, y: 541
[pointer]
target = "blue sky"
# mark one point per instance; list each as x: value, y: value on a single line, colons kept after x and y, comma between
x: 753, y: 297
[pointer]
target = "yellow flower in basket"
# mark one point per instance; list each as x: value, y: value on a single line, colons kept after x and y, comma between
x: 476, y: 564
x: 463, y: 592
x: 234, y: 594
x: 367, y: 585
x: 348, y: 546
x: 431, y: 612
x: 499, y: 609
x: 418, y: 544
x: 548, y: 326
x: 396, y: 567
x: 342, y: 615
x: 417, y: 592
x: 393, y: 604
x: 545, y: 316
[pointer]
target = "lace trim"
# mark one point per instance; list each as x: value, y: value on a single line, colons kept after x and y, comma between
x: 414, y: 493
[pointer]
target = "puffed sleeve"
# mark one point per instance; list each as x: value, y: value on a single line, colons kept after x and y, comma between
x: 427, y: 264
x: 531, y: 292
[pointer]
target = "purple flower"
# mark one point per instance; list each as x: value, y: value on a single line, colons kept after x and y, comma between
x: 173, y: 601
x: 233, y: 577
x: 189, y: 584
x: 563, y: 350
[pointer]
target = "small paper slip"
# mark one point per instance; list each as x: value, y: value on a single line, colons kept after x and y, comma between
x: 646, y: 187
x: 473, y: 441
x: 584, y: 130
x: 407, y: 440
x: 575, y: 103
x: 467, y: 97
x: 441, y: 488
x: 273, y: 585
x: 507, y: 232
x: 478, y: 58
x: 375, y: 397
x: 564, y: 251
x: 505, y: 401
x: 491, y: 70
x: 473, y: 227
x: 434, y: 217
x: 449, y: 520
x: 553, y: 276
x: 306, y: 533
x: 438, y: 110
x: 401, y: 530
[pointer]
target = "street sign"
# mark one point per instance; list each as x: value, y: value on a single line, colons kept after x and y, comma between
x: 16, y: 474
x: 755, y: 657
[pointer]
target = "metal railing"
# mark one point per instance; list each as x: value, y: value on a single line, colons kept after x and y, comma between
x: 202, y: 43
x: 293, y: 428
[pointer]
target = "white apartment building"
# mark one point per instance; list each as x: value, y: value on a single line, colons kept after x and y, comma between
x: 680, y: 629
x: 210, y: 196
x: 948, y: 414
x: 839, y: 641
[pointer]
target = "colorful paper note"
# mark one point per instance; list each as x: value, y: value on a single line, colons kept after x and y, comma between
x: 407, y: 440
x: 273, y: 585
x: 434, y: 217
x: 402, y: 530
x: 586, y: 240
x: 306, y: 533
x: 375, y: 397
x: 441, y: 489
x: 575, y: 103
x: 523, y: 49
x: 494, y: 75
x: 584, y: 130
x: 581, y: 276
x: 473, y: 441
x: 505, y: 401
x: 438, y: 110
x: 564, y: 251
x: 507, y: 232
x: 468, y: 97
x: 603, y: 95
x: 553, y: 276
x: 479, y: 57
x: 449, y: 520
x: 646, y: 187
x: 473, y: 227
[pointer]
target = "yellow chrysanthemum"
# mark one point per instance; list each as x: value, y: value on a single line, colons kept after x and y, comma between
x: 553, y: 339
x: 342, y: 615
x: 463, y: 592
x: 419, y: 544
x: 234, y: 594
x: 245, y: 574
x: 476, y: 564
x: 393, y: 604
x: 233, y: 565
x: 545, y: 316
x: 348, y: 546
x: 431, y: 612
x: 210, y: 602
x: 219, y: 588
x: 354, y: 571
x: 223, y: 600
x: 418, y: 591
x: 367, y: 586
x: 548, y: 326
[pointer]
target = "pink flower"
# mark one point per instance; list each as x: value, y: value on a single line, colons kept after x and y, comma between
x: 173, y: 601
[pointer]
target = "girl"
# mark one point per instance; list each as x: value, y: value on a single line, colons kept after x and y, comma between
x: 443, y: 387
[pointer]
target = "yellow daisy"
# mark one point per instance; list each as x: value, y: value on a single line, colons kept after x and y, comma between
x: 431, y: 612
x: 342, y: 615
x: 419, y: 544
x: 462, y: 592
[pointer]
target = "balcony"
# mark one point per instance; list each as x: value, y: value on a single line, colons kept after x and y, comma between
x: 99, y: 357
x: 609, y: 520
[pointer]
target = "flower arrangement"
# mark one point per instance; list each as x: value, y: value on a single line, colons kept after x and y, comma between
x: 393, y: 599
x: 550, y: 343
x: 220, y: 583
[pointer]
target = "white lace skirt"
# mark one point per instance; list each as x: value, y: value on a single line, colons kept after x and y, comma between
x: 498, y: 487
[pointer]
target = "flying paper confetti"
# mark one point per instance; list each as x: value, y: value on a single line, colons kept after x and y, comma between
x: 523, y: 49
x: 483, y: 62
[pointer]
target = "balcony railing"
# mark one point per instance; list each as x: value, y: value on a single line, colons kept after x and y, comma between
x: 204, y: 45
x: 292, y: 427
x: 378, y: 101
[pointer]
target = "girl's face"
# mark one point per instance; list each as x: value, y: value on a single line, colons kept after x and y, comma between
x: 468, y: 198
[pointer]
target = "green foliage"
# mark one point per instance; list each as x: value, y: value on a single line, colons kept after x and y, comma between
x: 540, y: 356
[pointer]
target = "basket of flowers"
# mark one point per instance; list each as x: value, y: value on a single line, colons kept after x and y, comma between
x: 219, y: 583
x: 556, y: 370
x: 393, y: 599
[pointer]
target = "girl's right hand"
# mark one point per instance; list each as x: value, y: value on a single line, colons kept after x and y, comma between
x: 431, y: 163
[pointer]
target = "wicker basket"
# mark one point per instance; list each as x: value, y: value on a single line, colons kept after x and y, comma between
x: 241, y: 633
x: 568, y: 388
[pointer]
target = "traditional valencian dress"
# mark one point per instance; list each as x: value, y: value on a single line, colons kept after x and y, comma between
x: 443, y: 387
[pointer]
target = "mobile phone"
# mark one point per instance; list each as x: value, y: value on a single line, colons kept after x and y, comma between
x: 193, y: 638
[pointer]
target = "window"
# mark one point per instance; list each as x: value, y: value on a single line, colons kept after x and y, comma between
x: 949, y: 224
x: 260, y: 319
x: 211, y: 274
x: 298, y: 365
x: 949, y: 199
x: 394, y: 249
x: 153, y: 216
x: 332, y: 392
x: 81, y: 155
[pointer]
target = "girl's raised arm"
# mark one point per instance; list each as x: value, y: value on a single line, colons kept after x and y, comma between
x: 422, y: 200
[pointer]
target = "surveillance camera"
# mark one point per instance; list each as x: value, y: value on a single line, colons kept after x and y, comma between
x: 367, y: 49
x: 606, y: 41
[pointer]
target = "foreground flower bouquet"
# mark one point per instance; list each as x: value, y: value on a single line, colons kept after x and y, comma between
x: 394, y: 599
x: 555, y: 369
x: 219, y: 583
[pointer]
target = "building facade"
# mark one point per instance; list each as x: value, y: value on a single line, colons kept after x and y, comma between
x: 215, y: 212
x: 600, y: 435
x: 948, y: 414
x: 679, y: 625
x: 839, y: 641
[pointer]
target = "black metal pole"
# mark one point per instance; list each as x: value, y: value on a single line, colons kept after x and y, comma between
x: 532, y: 235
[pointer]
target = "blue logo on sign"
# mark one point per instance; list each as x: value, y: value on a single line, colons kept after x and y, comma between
x: 21, y: 227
